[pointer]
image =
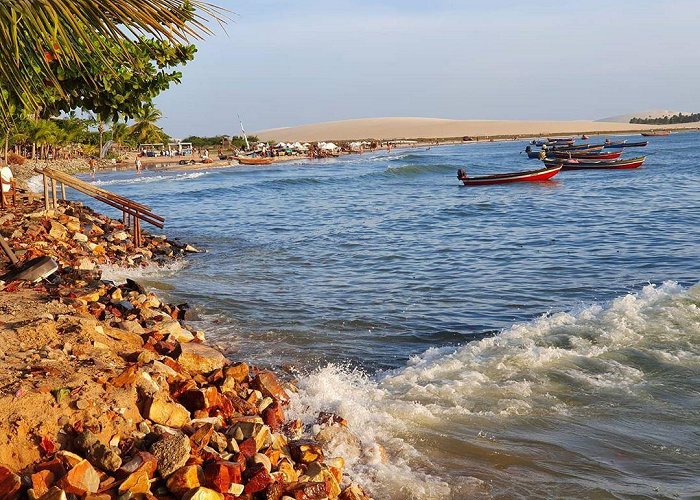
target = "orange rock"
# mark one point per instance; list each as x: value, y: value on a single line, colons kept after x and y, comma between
x: 42, y: 481
x: 273, y: 416
x: 239, y: 372
x: 258, y: 478
x: 203, y: 494
x: 125, y: 378
x: 308, y: 491
x: 248, y: 448
x: 199, y: 358
x: 217, y: 477
x: 201, y: 437
x: 136, y: 483
x: 305, y: 451
x: 81, y: 479
x: 267, y: 383
x: 141, y: 461
x: 167, y: 413
x: 184, y: 479
x: 10, y: 484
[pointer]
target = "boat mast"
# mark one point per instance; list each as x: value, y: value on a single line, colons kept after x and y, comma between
x: 247, y: 145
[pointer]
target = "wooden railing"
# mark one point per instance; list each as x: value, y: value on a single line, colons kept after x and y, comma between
x: 132, y: 212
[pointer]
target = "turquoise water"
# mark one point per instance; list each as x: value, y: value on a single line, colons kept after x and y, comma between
x: 511, y: 341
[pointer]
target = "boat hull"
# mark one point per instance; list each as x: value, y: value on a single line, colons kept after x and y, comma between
x: 542, y: 174
x: 586, y: 156
x: 599, y: 165
x: 254, y: 161
x: 656, y: 134
x: 620, y: 145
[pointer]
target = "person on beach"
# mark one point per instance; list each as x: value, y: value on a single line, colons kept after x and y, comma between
x: 8, y: 181
x: 93, y: 166
x: 138, y: 165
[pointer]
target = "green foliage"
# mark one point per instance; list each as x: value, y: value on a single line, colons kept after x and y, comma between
x: 37, y: 39
x: 668, y: 120
x: 144, y: 129
x: 135, y: 73
x: 217, y: 140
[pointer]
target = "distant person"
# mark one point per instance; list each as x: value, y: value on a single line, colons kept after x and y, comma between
x: 93, y: 166
x: 528, y: 149
x: 139, y: 165
x: 8, y: 182
x: 543, y: 154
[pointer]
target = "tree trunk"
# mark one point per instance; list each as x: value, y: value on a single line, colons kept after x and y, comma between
x: 7, y: 141
x: 101, y: 130
x: 33, y: 150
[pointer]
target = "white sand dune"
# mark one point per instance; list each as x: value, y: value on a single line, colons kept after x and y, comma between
x: 434, y: 128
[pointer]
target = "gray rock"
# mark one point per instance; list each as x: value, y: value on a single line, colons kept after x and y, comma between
x: 171, y: 452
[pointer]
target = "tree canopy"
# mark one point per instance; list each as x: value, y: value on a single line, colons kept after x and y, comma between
x: 668, y: 120
x: 46, y: 46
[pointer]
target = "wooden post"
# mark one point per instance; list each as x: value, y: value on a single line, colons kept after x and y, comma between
x: 54, y: 196
x: 46, y: 192
x: 137, y: 244
x: 124, y: 217
x: 63, y: 192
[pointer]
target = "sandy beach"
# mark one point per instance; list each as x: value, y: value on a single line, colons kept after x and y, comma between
x: 436, y: 128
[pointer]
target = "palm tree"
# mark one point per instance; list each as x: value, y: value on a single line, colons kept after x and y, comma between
x: 144, y: 129
x: 35, y: 35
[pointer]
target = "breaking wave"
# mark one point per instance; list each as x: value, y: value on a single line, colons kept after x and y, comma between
x: 147, y: 179
x: 148, y: 273
x: 597, y: 359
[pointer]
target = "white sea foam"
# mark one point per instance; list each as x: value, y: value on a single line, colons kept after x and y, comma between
x: 148, y: 179
x: 152, y: 271
x: 35, y: 184
x: 551, y: 366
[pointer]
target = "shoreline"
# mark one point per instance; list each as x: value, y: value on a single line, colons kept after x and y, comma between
x: 105, y: 389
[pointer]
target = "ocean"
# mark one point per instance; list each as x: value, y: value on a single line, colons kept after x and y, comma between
x: 513, y: 341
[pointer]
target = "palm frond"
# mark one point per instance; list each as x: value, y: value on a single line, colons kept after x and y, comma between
x: 37, y: 34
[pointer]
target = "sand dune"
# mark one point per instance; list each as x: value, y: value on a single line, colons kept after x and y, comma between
x: 434, y: 128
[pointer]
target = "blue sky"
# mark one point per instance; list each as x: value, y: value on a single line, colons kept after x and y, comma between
x: 284, y: 63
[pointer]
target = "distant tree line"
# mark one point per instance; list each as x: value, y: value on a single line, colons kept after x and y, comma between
x: 219, y: 140
x: 668, y: 120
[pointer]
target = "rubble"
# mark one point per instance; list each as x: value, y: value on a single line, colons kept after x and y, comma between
x: 191, y: 425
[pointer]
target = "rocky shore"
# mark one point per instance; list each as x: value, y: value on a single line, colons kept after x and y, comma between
x: 106, y: 393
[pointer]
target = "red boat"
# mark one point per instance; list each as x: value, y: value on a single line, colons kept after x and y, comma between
x: 253, y: 161
x: 597, y: 165
x: 585, y: 156
x: 542, y: 174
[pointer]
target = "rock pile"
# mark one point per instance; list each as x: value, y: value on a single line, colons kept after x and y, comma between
x: 200, y: 426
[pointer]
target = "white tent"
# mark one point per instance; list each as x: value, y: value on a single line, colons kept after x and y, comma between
x: 327, y: 146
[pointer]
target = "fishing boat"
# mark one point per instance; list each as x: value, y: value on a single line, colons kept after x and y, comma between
x: 568, y: 146
x: 657, y: 133
x: 584, y: 137
x: 541, y: 174
x: 625, y: 144
x: 575, y: 164
x: 585, y: 156
x: 587, y: 149
x: 253, y: 161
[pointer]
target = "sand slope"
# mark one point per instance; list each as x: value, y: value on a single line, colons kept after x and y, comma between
x: 433, y: 128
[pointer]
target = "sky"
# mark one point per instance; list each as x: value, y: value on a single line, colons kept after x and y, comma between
x: 285, y: 63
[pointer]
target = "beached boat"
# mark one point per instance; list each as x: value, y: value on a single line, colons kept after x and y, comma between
x: 253, y: 161
x: 585, y: 156
x: 597, y: 165
x: 656, y: 133
x: 625, y: 144
x: 541, y: 174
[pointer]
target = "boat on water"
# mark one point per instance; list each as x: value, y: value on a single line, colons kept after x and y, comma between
x: 656, y: 133
x: 253, y: 161
x: 571, y: 147
x: 541, y: 174
x: 576, y: 164
x: 584, y: 137
x: 625, y: 144
x: 587, y: 149
x: 614, y: 155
